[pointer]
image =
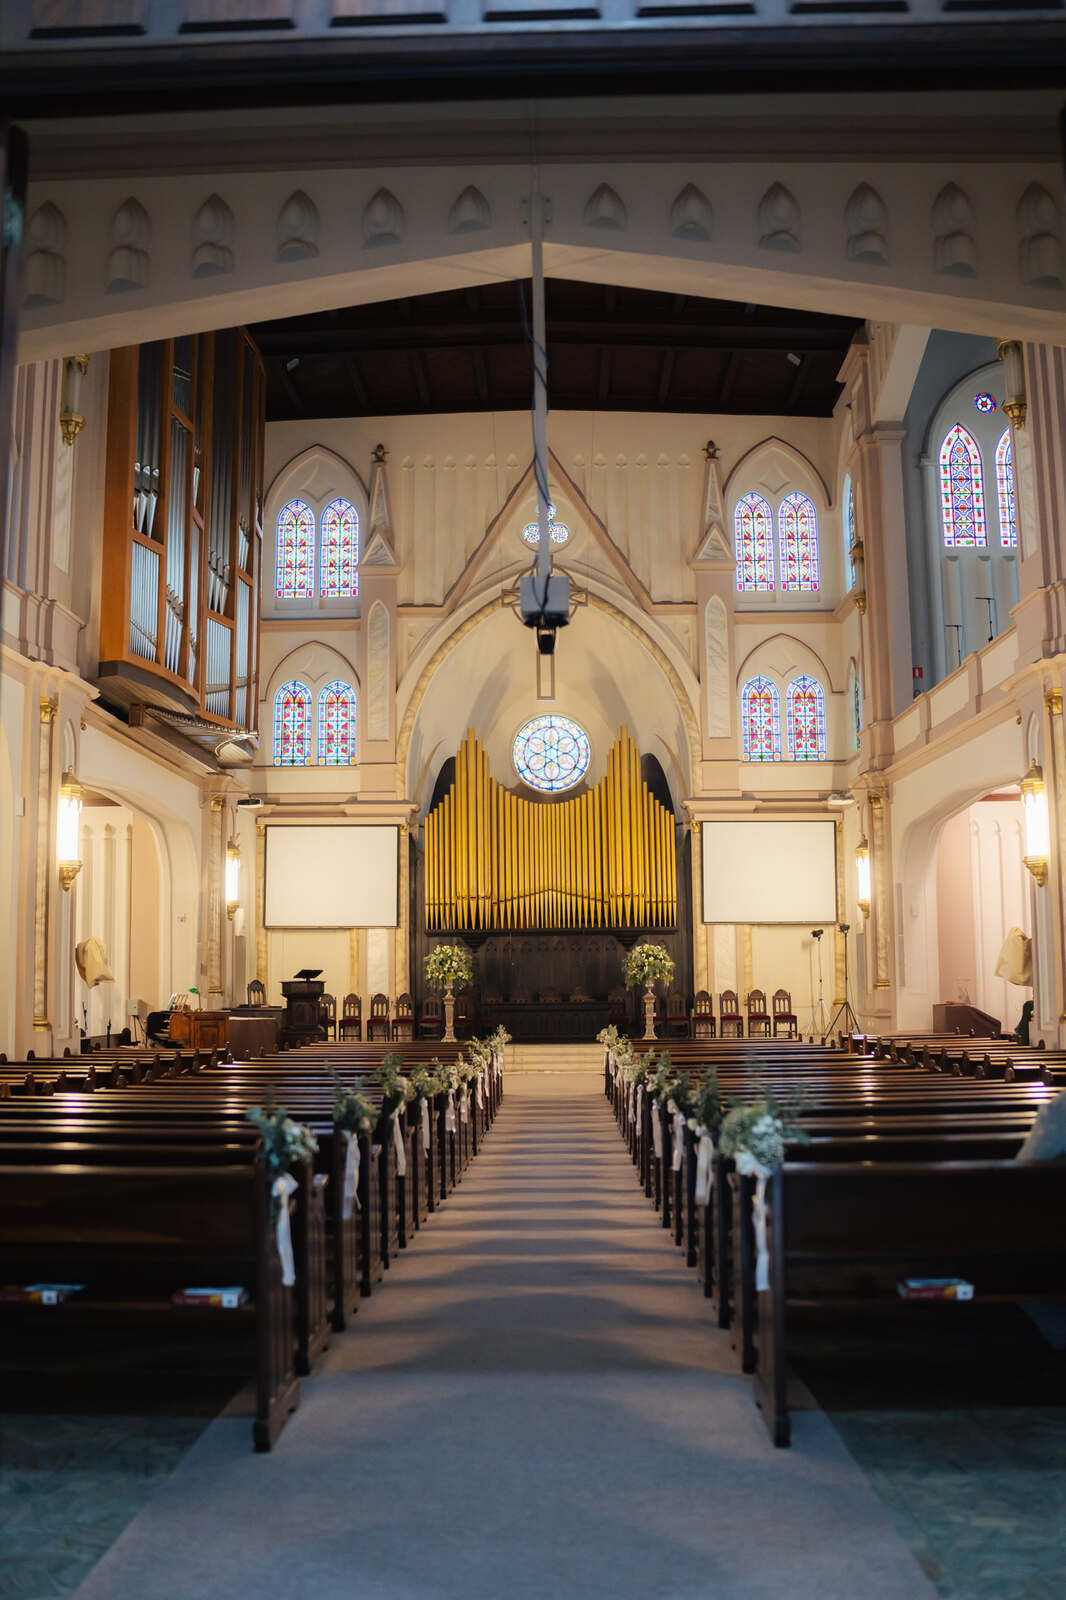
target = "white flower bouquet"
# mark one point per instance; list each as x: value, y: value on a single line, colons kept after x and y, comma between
x: 647, y: 963
x: 449, y: 964
x: 352, y: 1111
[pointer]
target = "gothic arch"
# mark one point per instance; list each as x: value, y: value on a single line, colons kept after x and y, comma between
x: 744, y: 474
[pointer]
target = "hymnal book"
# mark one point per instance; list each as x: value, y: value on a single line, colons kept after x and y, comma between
x: 228, y: 1299
x: 935, y: 1289
x: 41, y: 1294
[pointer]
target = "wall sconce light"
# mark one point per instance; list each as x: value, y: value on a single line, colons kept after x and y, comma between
x: 1037, y: 831
x: 862, y: 875
x: 1010, y: 353
x: 858, y: 567
x: 68, y: 829
x: 71, y: 419
x: 233, y: 878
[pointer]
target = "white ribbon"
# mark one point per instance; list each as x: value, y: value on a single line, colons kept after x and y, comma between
x: 424, y: 1107
x: 400, y: 1145
x: 656, y: 1130
x: 352, y: 1158
x: 449, y: 1113
x: 679, y: 1139
x: 747, y: 1165
x: 464, y: 1104
x: 704, y: 1162
x: 478, y: 1097
x: 284, y: 1188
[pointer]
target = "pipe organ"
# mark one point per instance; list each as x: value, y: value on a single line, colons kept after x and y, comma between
x: 603, y: 859
x: 183, y: 516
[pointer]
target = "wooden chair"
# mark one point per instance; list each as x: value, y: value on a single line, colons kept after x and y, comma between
x: 403, y: 1023
x: 327, y: 1013
x: 732, y: 1023
x: 784, y: 1016
x: 377, y: 1024
x: 550, y: 997
x: 703, y: 1023
x: 430, y: 1021
x: 758, y: 1016
x: 676, y: 1015
x: 351, y: 1022
x: 521, y: 997
x: 256, y: 993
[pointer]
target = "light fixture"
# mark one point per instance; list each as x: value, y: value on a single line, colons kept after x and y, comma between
x: 1011, y: 354
x: 1037, y: 832
x: 233, y: 878
x: 68, y: 829
x: 858, y: 567
x: 862, y: 875
x: 71, y: 419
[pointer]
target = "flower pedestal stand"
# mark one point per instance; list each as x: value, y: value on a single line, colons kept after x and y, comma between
x: 649, y: 1011
x: 449, y: 1016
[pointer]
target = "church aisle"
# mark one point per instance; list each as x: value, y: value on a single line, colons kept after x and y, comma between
x: 535, y: 1405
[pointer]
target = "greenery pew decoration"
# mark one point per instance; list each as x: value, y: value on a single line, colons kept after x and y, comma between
x: 755, y: 1135
x: 286, y: 1144
x: 354, y: 1117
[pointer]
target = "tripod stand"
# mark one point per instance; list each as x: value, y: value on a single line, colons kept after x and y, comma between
x: 844, y: 1012
x: 818, y: 1021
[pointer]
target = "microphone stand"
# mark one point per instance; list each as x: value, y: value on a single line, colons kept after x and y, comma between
x: 844, y: 1011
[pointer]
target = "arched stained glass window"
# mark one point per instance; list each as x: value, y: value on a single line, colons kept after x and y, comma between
x: 336, y: 725
x: 753, y: 526
x: 797, y: 531
x: 1008, y: 516
x: 760, y: 720
x: 962, y: 493
x: 551, y: 753
x: 296, y: 552
x: 855, y: 688
x: 292, y: 725
x: 340, y: 550
x: 849, y: 532
x: 805, y: 714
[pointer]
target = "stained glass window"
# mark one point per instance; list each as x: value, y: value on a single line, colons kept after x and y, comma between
x: 805, y: 714
x: 797, y: 525
x: 985, y: 403
x: 849, y: 531
x: 558, y: 532
x: 753, y: 526
x: 1008, y: 517
x: 962, y: 493
x: 760, y: 720
x: 551, y: 753
x: 340, y: 550
x: 296, y: 552
x: 336, y: 725
x: 856, y: 708
x: 292, y: 725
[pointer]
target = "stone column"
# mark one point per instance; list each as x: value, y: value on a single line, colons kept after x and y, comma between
x: 45, y: 859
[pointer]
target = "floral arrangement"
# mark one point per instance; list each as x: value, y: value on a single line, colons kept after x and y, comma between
x: 705, y: 1109
x: 755, y: 1135
x: 286, y: 1144
x: 481, y: 1051
x: 398, y: 1089
x: 448, y: 1073
x: 449, y: 965
x: 647, y: 963
x: 352, y: 1112
x: 609, y: 1038
x: 427, y: 1084
x: 500, y: 1039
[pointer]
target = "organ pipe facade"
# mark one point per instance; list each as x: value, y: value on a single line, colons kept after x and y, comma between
x: 603, y: 859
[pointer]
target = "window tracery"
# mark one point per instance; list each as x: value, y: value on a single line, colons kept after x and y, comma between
x: 753, y: 525
x: 295, y: 565
x: 292, y: 725
x: 340, y: 551
x: 337, y: 725
x: 962, y: 495
x: 760, y: 720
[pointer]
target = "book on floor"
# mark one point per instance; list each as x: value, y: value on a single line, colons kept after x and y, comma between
x: 935, y: 1289
x: 42, y: 1294
x: 229, y: 1299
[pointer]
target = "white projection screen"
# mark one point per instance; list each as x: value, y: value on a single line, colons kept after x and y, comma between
x: 331, y: 877
x: 769, y: 872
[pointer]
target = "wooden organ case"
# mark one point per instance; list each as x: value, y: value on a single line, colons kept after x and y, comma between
x: 183, y: 525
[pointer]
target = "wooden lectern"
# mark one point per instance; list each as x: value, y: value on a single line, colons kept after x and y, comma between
x: 302, y: 995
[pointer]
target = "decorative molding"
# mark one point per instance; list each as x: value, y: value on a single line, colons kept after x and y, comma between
x: 691, y: 215
x: 298, y: 228
x: 605, y: 209
x: 470, y: 213
x: 954, y: 227
x: 866, y: 227
x: 1039, y: 239
x: 212, y: 232
x: 383, y: 220
x: 131, y: 240
x: 45, y: 272
x: 778, y: 221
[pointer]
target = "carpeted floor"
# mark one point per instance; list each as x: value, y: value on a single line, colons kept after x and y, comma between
x: 536, y: 1405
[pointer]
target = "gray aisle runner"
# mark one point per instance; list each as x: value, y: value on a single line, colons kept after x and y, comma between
x: 536, y: 1405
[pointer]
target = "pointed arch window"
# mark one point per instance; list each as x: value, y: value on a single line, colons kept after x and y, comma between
x: 1008, y: 516
x: 340, y: 550
x: 295, y: 552
x: 336, y: 725
x: 855, y: 701
x: 962, y: 493
x: 292, y: 725
x: 760, y: 720
x: 805, y: 715
x: 797, y: 534
x: 753, y: 525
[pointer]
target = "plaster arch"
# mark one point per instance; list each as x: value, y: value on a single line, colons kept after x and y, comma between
x: 750, y: 471
x: 783, y: 657
x: 316, y: 475
x: 775, y: 468
x: 314, y: 663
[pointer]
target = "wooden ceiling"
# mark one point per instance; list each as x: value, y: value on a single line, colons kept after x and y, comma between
x: 609, y: 349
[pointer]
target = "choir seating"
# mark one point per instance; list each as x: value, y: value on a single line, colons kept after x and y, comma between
x: 677, y: 1018
x: 704, y: 1025
x: 351, y: 1020
x: 784, y: 1016
x: 256, y: 993
x: 550, y: 997
x: 464, y: 1015
x: 619, y: 1013
x: 732, y: 1023
x: 403, y: 1022
x: 430, y: 1023
x: 378, y: 1024
x: 758, y: 1016
x: 328, y: 1012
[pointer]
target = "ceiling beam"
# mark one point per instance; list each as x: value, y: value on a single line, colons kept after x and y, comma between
x: 355, y: 373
